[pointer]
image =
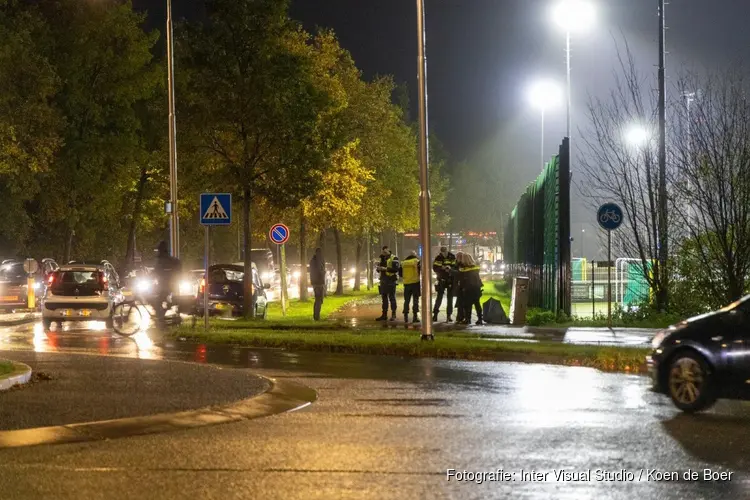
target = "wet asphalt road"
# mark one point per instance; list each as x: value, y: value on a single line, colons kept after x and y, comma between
x: 391, y: 428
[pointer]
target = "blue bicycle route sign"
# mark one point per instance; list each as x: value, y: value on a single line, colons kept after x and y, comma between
x: 216, y: 209
x: 609, y: 216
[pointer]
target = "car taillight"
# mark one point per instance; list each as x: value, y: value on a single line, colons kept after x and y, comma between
x: 104, y: 282
x: 50, y: 279
x: 202, y: 288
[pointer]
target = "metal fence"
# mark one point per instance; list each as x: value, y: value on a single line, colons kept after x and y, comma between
x: 537, y: 236
x: 589, y: 286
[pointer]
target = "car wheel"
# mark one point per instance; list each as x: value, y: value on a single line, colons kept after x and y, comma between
x: 690, y: 382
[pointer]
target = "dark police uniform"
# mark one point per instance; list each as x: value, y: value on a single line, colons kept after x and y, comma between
x: 444, y: 283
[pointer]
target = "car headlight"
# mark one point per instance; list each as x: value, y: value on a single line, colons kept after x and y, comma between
x: 186, y: 288
x: 353, y: 270
x: 296, y: 274
x: 143, y: 285
x: 37, y: 285
x: 268, y: 276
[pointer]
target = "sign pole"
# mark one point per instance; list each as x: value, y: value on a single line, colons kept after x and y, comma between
x: 609, y: 278
x: 593, y: 292
x: 284, y: 296
x: 205, y: 288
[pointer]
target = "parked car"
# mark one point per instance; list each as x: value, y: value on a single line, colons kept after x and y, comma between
x: 80, y: 292
x: 704, y: 358
x: 14, y: 282
x: 498, y: 267
x: 485, y: 266
x: 225, y: 293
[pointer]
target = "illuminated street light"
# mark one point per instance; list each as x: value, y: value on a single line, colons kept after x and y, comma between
x: 544, y: 95
x: 573, y: 16
x: 637, y: 135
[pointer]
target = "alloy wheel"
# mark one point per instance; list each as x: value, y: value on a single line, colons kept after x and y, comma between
x: 686, y: 380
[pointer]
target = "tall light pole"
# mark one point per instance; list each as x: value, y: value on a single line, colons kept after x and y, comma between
x: 543, y: 95
x: 572, y: 16
x: 663, y: 243
x: 424, y: 181
x: 174, y: 220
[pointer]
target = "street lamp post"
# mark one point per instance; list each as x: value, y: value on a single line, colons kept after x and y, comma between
x: 424, y: 195
x: 174, y: 220
x: 543, y: 95
x: 572, y: 15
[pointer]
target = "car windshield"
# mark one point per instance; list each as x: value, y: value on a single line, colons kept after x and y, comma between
x: 79, y: 277
x: 10, y: 272
x: 226, y: 275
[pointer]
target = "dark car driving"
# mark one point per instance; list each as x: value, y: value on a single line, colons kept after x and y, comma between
x: 14, y: 282
x: 704, y: 358
x: 225, y: 294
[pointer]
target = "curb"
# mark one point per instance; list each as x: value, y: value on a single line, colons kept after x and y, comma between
x: 21, y: 375
x: 20, y: 321
x: 282, y: 397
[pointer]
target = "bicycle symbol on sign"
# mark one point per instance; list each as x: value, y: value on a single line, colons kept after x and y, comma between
x: 609, y: 215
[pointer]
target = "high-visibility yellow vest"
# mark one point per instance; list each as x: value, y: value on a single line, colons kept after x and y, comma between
x: 466, y: 269
x: 411, y: 271
x: 390, y: 271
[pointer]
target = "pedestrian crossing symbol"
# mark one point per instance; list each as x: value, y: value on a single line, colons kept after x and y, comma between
x: 216, y: 209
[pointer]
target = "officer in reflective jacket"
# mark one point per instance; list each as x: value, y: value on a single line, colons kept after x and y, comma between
x: 388, y: 269
x: 471, y: 288
x: 409, y: 271
x: 444, y: 285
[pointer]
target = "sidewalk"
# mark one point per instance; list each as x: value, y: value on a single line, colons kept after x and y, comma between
x: 85, y: 388
x: 362, y: 315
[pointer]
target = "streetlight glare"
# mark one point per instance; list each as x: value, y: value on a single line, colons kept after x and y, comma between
x: 545, y: 94
x: 637, y: 135
x: 574, y: 15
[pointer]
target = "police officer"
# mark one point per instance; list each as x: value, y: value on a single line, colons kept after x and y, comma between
x: 388, y: 269
x: 471, y: 288
x: 457, y: 286
x: 409, y: 271
x: 444, y: 285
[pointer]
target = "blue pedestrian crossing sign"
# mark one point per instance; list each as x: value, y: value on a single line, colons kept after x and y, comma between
x: 216, y: 209
x: 279, y: 234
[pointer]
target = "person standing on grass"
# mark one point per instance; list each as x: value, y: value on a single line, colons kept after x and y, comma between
x: 318, y: 281
x: 409, y: 271
x: 444, y: 285
x: 471, y: 288
x: 388, y: 268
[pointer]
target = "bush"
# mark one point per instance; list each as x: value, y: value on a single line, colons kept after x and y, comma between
x: 539, y: 317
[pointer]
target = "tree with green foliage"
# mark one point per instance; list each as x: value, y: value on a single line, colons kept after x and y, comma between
x: 102, y: 57
x: 30, y: 126
x: 255, y: 103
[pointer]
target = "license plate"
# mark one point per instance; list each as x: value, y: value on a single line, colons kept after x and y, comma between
x: 221, y: 307
x: 9, y: 298
x: 71, y: 312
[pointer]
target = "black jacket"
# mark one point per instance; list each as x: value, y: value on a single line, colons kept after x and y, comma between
x: 385, y: 279
x: 439, y: 264
x: 317, y: 272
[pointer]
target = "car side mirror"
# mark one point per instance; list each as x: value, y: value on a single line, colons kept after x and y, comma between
x: 266, y: 286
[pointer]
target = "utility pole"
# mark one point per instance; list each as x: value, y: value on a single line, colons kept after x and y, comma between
x: 174, y: 220
x: 424, y: 197
x: 662, y: 216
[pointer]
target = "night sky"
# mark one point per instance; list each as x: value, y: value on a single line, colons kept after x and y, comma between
x: 483, y: 54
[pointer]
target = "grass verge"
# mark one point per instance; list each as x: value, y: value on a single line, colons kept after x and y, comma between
x: 407, y: 343
x: 5, y: 368
x: 298, y: 314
